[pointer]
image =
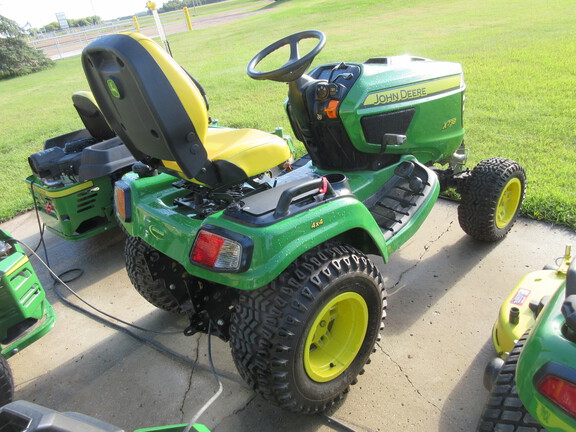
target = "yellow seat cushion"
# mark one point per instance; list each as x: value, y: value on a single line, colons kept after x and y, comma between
x: 251, y: 150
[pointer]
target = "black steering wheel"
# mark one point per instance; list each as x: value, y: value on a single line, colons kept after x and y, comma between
x: 295, y: 67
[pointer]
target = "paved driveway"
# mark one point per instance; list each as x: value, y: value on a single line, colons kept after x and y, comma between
x: 444, y: 293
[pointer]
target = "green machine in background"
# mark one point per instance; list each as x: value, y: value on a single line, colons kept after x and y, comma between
x: 73, y: 176
x: 533, y: 379
x: 25, y: 313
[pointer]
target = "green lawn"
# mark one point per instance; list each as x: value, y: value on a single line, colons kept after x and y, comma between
x: 518, y: 59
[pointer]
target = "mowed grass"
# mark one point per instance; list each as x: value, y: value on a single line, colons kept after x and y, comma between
x: 517, y: 57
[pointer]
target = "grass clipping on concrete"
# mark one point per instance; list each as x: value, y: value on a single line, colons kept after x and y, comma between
x: 517, y: 58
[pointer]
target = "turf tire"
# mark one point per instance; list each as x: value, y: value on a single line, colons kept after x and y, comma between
x: 271, y: 325
x: 6, y: 382
x: 504, y: 411
x: 153, y: 288
x: 479, y: 212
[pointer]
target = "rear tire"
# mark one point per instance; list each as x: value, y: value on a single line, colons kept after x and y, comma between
x: 491, y: 199
x: 504, y: 410
x: 140, y: 258
x: 6, y: 382
x: 301, y: 341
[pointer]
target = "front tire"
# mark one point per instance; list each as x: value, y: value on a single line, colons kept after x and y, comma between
x: 504, y: 410
x: 491, y: 199
x: 6, y: 382
x: 301, y: 341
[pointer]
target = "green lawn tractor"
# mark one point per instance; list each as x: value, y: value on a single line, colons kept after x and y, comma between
x: 533, y: 379
x: 73, y: 177
x: 269, y: 253
x: 25, y: 314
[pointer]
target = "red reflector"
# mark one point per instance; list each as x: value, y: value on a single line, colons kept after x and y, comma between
x: 324, y: 188
x: 207, y: 248
x: 559, y: 391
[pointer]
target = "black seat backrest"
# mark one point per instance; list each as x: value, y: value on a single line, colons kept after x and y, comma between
x: 149, y: 100
x: 91, y: 116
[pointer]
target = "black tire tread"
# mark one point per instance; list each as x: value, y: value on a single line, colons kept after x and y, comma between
x: 504, y: 411
x: 6, y: 382
x: 153, y: 290
x: 266, y: 320
x: 480, y: 194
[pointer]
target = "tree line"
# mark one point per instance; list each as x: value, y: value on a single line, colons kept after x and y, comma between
x: 73, y: 23
x: 172, y: 5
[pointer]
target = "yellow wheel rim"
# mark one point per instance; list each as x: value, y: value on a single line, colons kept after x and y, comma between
x: 508, y: 203
x: 335, y: 337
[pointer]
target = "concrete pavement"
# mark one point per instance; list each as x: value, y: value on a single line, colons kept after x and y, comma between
x: 444, y: 288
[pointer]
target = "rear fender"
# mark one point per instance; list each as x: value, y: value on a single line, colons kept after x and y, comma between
x: 276, y: 246
x: 167, y: 228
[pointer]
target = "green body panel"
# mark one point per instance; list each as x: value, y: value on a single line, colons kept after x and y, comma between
x: 167, y: 228
x: 546, y: 343
x: 76, y: 211
x: 170, y: 229
x: 435, y: 90
x: 22, y: 299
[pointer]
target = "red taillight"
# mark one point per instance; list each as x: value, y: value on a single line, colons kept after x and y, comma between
x: 559, y: 391
x: 213, y: 250
x: 207, y: 248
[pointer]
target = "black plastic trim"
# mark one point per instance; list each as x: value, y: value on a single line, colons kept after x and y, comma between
x: 376, y: 126
x: 103, y: 159
x: 304, y: 200
x: 38, y: 418
x: 396, y: 202
x: 571, y: 279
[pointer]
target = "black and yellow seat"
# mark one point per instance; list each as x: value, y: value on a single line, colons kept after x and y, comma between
x: 161, y: 115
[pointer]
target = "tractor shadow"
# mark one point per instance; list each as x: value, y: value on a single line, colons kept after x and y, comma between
x: 86, y: 367
x: 124, y: 382
x: 82, y: 263
x: 465, y: 403
x: 261, y: 415
x: 414, y: 286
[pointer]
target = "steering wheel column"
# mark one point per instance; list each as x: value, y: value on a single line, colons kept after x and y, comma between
x: 293, y: 73
x: 295, y: 66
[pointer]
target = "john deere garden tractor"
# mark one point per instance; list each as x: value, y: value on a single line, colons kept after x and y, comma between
x: 73, y: 176
x: 270, y: 254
